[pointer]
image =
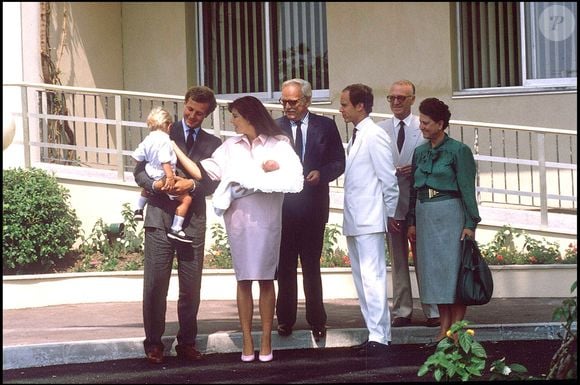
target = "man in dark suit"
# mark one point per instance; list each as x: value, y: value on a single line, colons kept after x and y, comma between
x: 160, y: 250
x: 305, y: 214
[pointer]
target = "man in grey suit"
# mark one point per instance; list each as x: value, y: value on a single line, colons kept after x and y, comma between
x: 160, y: 250
x: 370, y: 199
x: 403, y: 129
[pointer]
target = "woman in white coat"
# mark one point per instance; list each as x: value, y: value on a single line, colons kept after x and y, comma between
x: 255, y: 167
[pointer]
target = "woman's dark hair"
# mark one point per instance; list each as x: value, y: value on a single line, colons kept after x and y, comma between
x: 254, y: 112
x: 360, y: 93
x: 436, y: 110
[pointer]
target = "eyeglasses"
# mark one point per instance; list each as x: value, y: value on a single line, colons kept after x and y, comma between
x: 292, y: 103
x: 398, y: 98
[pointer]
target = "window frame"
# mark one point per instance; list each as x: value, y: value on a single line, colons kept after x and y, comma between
x: 557, y: 85
x: 555, y: 82
x: 270, y: 95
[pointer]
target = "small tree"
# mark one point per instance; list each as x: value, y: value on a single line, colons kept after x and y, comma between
x: 38, y: 225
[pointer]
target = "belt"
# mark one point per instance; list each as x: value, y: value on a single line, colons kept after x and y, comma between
x: 430, y: 194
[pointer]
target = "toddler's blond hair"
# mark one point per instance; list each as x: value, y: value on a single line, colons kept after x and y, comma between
x: 158, y: 118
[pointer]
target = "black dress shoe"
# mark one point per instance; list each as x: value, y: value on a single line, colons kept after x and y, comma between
x: 360, y: 346
x: 432, y: 322
x: 401, y: 322
x: 373, y: 349
x: 318, y: 332
x: 284, y: 330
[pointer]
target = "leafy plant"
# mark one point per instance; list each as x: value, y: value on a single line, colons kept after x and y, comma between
x: 564, y: 363
x: 541, y: 252
x: 39, y: 227
x: 219, y: 254
x: 571, y: 253
x: 104, y: 249
x: 500, y: 371
x: 458, y: 356
x: 501, y: 250
x: 332, y: 255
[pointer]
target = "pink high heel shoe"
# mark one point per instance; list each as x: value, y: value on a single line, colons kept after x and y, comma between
x: 267, y: 357
x: 249, y: 357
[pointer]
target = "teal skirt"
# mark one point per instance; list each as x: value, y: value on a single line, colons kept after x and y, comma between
x: 439, y: 225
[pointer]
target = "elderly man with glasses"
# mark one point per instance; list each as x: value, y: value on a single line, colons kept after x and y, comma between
x: 304, y: 215
x: 403, y: 128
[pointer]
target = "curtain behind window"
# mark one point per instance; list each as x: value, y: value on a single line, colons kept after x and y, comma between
x: 252, y: 47
x: 489, y: 44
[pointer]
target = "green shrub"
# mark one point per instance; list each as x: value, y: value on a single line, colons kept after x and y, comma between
x: 502, y: 250
x: 541, y: 252
x: 332, y: 255
x: 104, y: 250
x: 39, y: 227
x: 571, y: 254
x: 459, y: 356
x: 219, y: 254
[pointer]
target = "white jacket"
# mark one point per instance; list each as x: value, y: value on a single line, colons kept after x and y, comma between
x: 370, y: 186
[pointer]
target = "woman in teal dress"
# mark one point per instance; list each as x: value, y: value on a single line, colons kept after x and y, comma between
x: 443, y: 210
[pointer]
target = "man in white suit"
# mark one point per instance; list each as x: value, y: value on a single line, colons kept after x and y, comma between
x: 401, y: 97
x: 370, y: 200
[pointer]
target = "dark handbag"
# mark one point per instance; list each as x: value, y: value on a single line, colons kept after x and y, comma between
x: 474, y: 283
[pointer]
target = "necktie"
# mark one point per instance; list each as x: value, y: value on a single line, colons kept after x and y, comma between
x: 354, y: 135
x: 190, y: 140
x: 298, y: 142
x: 401, y: 135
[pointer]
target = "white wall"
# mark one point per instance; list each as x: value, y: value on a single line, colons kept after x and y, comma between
x: 12, y: 57
x: 155, y: 47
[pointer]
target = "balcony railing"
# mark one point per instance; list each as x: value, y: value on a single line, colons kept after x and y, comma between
x: 99, y: 128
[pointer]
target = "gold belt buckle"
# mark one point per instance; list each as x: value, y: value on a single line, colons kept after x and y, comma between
x: 432, y: 193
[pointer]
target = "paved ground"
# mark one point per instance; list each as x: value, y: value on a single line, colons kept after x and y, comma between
x: 80, y: 333
x: 297, y: 366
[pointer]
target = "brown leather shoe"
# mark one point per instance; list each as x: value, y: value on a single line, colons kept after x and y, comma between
x: 401, y: 321
x: 155, y: 355
x: 432, y: 322
x: 188, y: 353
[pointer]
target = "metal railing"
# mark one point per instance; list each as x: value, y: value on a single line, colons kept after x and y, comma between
x: 99, y: 128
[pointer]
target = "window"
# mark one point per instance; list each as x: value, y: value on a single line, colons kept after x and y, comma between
x: 512, y: 44
x: 252, y: 47
x: 550, y: 30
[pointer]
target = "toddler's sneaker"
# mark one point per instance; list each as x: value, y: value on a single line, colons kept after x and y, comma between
x: 180, y: 236
x: 138, y: 215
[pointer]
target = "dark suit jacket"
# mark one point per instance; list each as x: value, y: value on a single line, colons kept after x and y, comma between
x: 324, y: 152
x: 161, y: 209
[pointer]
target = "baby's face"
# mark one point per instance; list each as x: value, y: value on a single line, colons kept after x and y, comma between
x: 270, y: 165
